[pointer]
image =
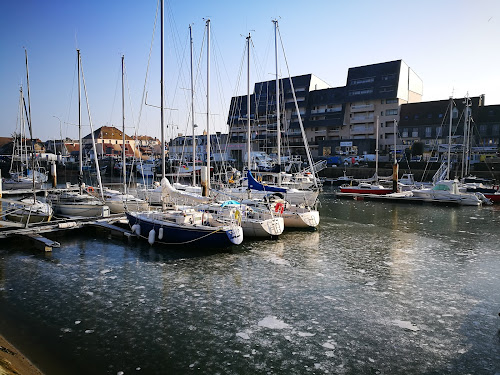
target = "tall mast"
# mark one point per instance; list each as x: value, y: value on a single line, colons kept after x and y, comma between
x: 208, y: 105
x: 377, y: 125
x: 278, y: 127
x: 29, y: 123
x: 449, y: 140
x: 466, y: 137
x: 192, y: 107
x: 161, y: 101
x: 124, y: 167
x: 80, y: 175
x: 248, y: 103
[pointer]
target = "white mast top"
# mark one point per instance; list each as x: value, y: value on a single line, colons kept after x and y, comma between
x: 208, y: 105
x: 278, y: 125
x: 192, y: 107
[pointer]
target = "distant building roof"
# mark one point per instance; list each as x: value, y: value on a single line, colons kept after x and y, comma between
x: 107, y: 132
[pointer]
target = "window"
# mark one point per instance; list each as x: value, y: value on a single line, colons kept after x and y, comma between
x: 455, y: 113
x: 359, y: 81
x: 416, y: 117
x: 429, y: 115
x: 391, y: 112
x: 360, y: 92
x: 495, y: 129
x: 439, y: 131
x: 387, y: 89
x: 391, y: 101
x: 440, y: 115
x: 428, y: 131
x: 414, y: 133
x: 483, y: 129
x: 405, y: 133
x: 388, y: 77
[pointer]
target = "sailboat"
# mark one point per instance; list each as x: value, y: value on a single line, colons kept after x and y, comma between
x: 29, y: 209
x: 181, y: 225
x: 117, y: 201
x: 22, y: 176
x: 252, y: 188
x: 372, y: 186
x: 80, y: 203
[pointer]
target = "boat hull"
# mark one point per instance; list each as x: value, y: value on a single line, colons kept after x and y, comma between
x: 80, y: 210
x: 354, y: 190
x: 308, y: 219
x: 174, y: 234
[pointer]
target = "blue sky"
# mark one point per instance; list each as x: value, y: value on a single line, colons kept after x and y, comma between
x: 451, y: 45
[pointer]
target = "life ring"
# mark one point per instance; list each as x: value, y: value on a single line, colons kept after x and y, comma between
x: 90, y: 189
x: 279, y: 208
x: 237, y: 216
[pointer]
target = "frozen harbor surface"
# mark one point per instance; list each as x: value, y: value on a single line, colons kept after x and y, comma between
x: 378, y: 289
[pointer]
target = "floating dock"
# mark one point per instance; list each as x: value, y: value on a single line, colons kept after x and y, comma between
x: 34, y: 231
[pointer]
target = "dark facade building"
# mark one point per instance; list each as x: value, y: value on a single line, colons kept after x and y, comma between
x: 330, y: 116
x: 429, y: 123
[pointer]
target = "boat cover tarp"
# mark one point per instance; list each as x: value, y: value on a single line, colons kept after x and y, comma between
x: 255, y: 185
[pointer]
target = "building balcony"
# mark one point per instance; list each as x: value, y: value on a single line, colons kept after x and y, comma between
x: 362, y: 107
x: 360, y: 119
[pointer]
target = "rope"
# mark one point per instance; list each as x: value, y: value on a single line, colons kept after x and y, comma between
x: 181, y: 243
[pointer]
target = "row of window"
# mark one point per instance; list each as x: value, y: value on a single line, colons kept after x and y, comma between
x: 359, y: 81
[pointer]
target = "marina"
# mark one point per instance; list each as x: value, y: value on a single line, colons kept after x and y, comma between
x: 377, y: 288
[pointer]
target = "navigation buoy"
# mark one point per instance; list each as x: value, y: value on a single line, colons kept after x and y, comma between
x: 151, y: 237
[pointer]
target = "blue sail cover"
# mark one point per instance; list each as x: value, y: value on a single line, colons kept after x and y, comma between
x: 255, y: 185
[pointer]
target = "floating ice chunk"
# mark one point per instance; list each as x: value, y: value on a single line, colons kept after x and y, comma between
x: 371, y: 359
x: 406, y: 325
x: 66, y: 330
x: 89, y: 331
x: 120, y: 373
x: 103, y: 272
x: 279, y: 261
x: 272, y: 322
x: 370, y: 283
x: 305, y: 334
x: 89, y: 293
x: 243, y: 335
x: 78, y: 321
x: 362, y: 271
x: 330, y: 298
x: 328, y: 345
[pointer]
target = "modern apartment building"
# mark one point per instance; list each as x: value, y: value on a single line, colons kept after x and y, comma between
x: 334, y: 118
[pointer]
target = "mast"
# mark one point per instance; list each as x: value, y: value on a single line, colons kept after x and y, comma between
x: 248, y: 103
x: 29, y: 123
x: 192, y: 107
x: 278, y: 127
x: 449, y: 140
x: 376, y: 146
x: 161, y: 100
x: 80, y: 175
x: 124, y: 167
x: 208, y: 106
x: 465, y: 145
x: 395, y: 167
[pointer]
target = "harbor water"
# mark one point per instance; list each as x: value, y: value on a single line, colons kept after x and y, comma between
x: 379, y: 288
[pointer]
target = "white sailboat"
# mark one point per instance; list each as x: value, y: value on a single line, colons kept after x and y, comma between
x: 181, y: 226
x: 118, y: 201
x: 81, y: 203
x: 29, y: 209
x: 256, y: 220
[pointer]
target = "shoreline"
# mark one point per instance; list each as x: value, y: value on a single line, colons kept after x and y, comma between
x: 13, y: 362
